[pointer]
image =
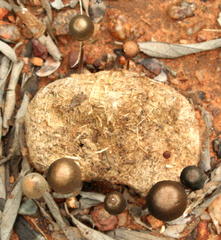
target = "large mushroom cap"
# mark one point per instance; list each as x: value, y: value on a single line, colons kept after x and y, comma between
x: 117, y: 125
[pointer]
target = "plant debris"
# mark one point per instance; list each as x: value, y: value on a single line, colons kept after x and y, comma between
x: 167, y: 50
x: 36, y: 49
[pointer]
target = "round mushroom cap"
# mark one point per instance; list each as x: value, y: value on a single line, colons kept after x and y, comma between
x: 81, y: 27
x: 193, y: 177
x: 116, y: 125
x: 114, y: 203
x: 64, y: 176
x: 131, y: 48
x: 167, y: 200
x: 34, y: 185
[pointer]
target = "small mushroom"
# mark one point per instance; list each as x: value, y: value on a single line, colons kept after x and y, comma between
x: 193, y: 177
x: 167, y: 200
x: 81, y: 27
x: 64, y: 176
x: 34, y: 185
x: 131, y: 49
x: 114, y: 203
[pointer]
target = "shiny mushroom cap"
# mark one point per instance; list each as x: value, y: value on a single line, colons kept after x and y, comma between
x: 167, y: 200
x: 193, y: 177
x: 81, y: 27
x: 114, y: 203
x: 34, y: 185
x: 64, y: 176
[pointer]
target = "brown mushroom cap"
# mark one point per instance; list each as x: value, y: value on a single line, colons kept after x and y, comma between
x: 81, y: 27
x: 64, y: 176
x: 34, y: 185
x: 131, y: 48
x: 114, y: 203
x: 167, y: 200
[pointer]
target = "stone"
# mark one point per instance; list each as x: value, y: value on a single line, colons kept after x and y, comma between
x: 116, y: 125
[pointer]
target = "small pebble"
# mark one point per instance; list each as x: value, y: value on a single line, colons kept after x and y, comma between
x: 201, y: 95
x: 39, y: 50
x: 9, y: 32
x: 153, y: 65
x: 61, y: 22
x: 118, y: 25
x: 28, y: 208
x: 123, y: 219
x: 3, y: 13
x: 182, y: 10
x: 154, y: 222
x: 195, y: 28
x: 36, y: 61
x: 217, y: 147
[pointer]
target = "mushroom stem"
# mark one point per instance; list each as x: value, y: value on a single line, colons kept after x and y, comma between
x: 81, y: 7
x: 81, y: 62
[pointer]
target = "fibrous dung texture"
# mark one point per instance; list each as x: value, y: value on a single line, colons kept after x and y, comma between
x: 117, y: 125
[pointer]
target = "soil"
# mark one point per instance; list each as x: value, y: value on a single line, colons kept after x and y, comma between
x: 198, y: 75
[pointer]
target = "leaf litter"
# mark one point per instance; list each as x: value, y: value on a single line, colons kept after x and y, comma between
x: 96, y: 9
x: 169, y: 50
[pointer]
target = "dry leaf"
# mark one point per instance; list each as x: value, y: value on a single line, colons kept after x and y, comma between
x: 167, y: 50
x: 25, y: 231
x: 4, y: 4
x: 46, y: 5
x: 124, y: 234
x: 88, y: 233
x: 215, y: 212
x: 49, y: 67
x: 69, y: 232
x: 10, y: 211
x: 219, y: 19
x: 86, y: 6
x: 162, y: 77
x: 51, y: 47
x: 57, y: 4
x: 8, y: 51
x: 36, y: 27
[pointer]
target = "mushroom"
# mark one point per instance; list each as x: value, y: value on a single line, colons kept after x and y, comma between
x: 64, y: 176
x: 131, y: 48
x: 193, y: 177
x: 34, y: 185
x: 114, y: 203
x: 167, y: 200
x: 81, y: 27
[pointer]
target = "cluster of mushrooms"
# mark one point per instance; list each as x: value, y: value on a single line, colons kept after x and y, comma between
x: 166, y: 200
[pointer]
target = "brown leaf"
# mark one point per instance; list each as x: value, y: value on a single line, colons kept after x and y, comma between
x: 103, y: 220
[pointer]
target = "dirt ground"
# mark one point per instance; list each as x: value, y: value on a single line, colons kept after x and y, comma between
x: 197, y: 75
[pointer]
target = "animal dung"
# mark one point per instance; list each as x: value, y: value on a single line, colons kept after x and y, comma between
x: 116, y: 125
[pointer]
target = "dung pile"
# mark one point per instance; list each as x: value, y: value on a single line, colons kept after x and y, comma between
x: 118, y: 125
